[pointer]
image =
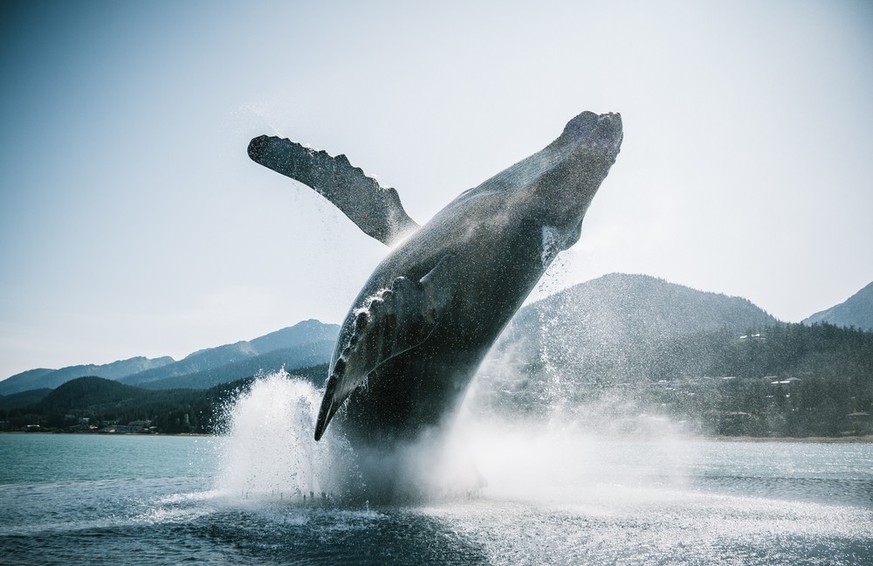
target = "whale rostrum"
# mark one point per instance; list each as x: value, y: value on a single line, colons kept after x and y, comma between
x: 431, y: 310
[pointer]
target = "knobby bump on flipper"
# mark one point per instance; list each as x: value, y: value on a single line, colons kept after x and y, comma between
x: 388, y: 323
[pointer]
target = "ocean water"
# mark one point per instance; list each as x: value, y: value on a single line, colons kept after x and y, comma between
x: 498, y: 493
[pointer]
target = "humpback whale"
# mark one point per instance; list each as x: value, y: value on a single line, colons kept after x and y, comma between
x: 424, y: 320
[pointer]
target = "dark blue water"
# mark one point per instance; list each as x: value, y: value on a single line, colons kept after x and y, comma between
x: 153, y: 500
x: 554, y: 496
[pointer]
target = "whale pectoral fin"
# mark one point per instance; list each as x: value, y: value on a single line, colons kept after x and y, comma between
x: 374, y: 209
x: 391, y: 322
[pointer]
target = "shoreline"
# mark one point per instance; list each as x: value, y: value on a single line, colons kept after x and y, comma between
x: 863, y: 439
x: 811, y: 439
x: 63, y: 433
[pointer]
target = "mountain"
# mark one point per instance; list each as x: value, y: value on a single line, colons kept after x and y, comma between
x: 619, y: 312
x: 607, y: 353
x: 48, y: 378
x: 613, y: 329
x: 87, y: 402
x: 601, y: 316
x: 87, y: 392
x: 24, y: 381
x: 23, y: 399
x: 620, y: 307
x: 111, y: 406
x: 300, y: 334
x: 856, y: 311
x: 306, y: 343
x: 304, y: 355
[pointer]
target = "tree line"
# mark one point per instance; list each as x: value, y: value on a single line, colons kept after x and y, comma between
x: 94, y: 404
x: 780, y: 380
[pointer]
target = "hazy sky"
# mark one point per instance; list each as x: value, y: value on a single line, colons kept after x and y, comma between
x: 133, y: 222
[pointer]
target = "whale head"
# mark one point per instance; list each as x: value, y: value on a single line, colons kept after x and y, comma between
x: 600, y: 130
x: 570, y: 169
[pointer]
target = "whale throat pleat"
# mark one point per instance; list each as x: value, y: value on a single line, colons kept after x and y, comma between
x: 389, y: 323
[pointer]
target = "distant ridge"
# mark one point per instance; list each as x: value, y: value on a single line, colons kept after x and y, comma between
x: 89, y: 390
x: 303, y: 356
x: 299, y: 341
x: 23, y: 399
x: 610, y: 329
x: 856, y: 311
x: 89, y: 404
x: 615, y: 354
x: 51, y: 378
x: 307, y: 343
x: 615, y: 320
x: 608, y: 352
x: 618, y: 308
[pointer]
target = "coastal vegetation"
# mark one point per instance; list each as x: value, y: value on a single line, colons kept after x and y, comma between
x: 97, y: 405
x: 777, y: 381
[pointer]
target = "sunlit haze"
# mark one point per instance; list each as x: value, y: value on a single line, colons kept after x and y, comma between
x: 134, y: 223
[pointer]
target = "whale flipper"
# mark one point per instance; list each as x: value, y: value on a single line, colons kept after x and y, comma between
x: 376, y: 210
x: 388, y: 323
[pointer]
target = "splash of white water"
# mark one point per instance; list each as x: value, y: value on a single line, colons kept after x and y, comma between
x: 270, y: 451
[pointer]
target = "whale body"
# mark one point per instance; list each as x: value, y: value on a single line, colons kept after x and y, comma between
x: 427, y: 316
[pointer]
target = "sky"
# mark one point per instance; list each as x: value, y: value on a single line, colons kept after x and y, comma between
x: 133, y: 223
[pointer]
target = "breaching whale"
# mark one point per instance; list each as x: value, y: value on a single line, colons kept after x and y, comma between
x: 431, y: 310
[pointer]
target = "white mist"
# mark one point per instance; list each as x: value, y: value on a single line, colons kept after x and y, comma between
x: 270, y: 451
